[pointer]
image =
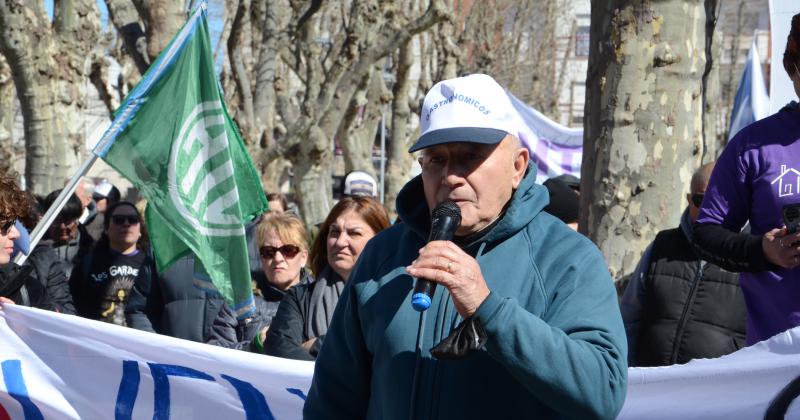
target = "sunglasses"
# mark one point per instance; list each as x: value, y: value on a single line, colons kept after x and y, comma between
x: 288, y: 251
x: 6, y: 227
x: 120, y: 219
x: 697, y: 199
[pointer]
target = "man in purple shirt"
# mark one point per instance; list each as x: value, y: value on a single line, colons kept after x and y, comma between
x: 757, y: 175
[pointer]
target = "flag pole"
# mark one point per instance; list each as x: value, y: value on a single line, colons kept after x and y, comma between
x: 56, y: 207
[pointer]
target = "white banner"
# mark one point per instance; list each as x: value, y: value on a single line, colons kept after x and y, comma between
x: 737, y: 386
x: 64, y: 367
x: 555, y: 149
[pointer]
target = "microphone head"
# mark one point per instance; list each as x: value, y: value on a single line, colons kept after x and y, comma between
x: 447, y: 209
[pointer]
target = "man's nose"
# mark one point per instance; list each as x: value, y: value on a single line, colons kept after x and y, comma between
x: 453, y: 174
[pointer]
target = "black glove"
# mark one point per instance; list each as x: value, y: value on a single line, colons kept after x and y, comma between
x: 468, y: 336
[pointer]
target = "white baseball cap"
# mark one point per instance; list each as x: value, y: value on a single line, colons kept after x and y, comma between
x: 102, y: 189
x: 359, y: 183
x: 473, y: 109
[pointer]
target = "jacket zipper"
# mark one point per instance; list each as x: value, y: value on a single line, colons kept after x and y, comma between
x: 682, y: 322
x: 450, y: 324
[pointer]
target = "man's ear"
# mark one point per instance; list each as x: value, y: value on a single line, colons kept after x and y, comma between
x: 521, y: 158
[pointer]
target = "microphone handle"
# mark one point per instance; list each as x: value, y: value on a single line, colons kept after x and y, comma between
x: 423, y: 293
x: 424, y: 289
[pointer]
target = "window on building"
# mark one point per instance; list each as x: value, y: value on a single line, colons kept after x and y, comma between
x: 582, y: 41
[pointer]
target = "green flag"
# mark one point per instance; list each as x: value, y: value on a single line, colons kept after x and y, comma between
x: 173, y: 139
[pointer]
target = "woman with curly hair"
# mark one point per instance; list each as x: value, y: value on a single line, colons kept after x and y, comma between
x: 16, y: 284
x: 755, y: 178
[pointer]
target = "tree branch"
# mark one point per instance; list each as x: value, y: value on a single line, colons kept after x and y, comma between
x: 126, y: 20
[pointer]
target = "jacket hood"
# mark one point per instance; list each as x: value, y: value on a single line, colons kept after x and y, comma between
x: 527, y: 201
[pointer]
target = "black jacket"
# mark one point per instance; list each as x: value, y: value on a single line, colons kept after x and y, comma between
x: 230, y: 333
x: 288, y: 330
x: 171, y: 304
x: 17, y: 284
x: 51, y: 272
x: 689, y: 308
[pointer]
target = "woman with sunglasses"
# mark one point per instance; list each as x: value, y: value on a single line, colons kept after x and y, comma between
x: 42, y: 282
x: 16, y: 284
x: 755, y: 179
x: 299, y: 327
x: 283, y: 253
x: 101, y: 282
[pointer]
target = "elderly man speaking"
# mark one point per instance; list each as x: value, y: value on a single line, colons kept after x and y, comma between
x: 524, y: 323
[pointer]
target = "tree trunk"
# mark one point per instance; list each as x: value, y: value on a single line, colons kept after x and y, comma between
x: 359, y: 138
x: 29, y: 47
x: 237, y: 47
x: 397, y: 144
x: 7, y: 152
x: 162, y: 19
x: 77, y: 26
x: 710, y: 79
x: 50, y: 65
x: 643, y: 129
x: 312, y: 176
x: 126, y: 20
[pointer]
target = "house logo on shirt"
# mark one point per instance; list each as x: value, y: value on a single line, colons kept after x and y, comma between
x: 788, y: 182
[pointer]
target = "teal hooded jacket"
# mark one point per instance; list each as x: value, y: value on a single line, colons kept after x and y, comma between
x: 556, y: 343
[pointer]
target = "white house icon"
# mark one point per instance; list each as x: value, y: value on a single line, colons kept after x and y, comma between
x: 789, y: 185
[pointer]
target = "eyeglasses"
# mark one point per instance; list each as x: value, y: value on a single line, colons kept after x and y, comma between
x: 6, y: 227
x: 121, y: 219
x: 697, y: 199
x: 288, y: 251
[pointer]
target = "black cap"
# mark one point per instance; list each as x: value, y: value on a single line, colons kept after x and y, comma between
x: 564, y: 202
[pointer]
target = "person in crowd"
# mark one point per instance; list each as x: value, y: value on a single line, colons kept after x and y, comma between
x: 284, y: 253
x: 105, y: 194
x: 524, y: 319
x: 84, y: 191
x: 177, y: 303
x: 65, y: 235
x: 677, y: 306
x: 16, y: 283
x: 359, y: 184
x: 48, y: 268
x: 572, y: 181
x: 277, y: 202
x: 564, y: 202
x: 12, y: 208
x: 101, y: 282
x: 299, y: 327
x: 755, y: 178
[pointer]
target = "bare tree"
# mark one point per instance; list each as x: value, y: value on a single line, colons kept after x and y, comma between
x: 317, y: 77
x: 49, y: 63
x: 643, y: 129
x: 7, y: 93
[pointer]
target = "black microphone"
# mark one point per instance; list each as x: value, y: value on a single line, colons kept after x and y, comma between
x: 445, y: 219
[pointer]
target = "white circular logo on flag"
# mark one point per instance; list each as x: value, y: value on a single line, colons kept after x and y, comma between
x: 201, y: 183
